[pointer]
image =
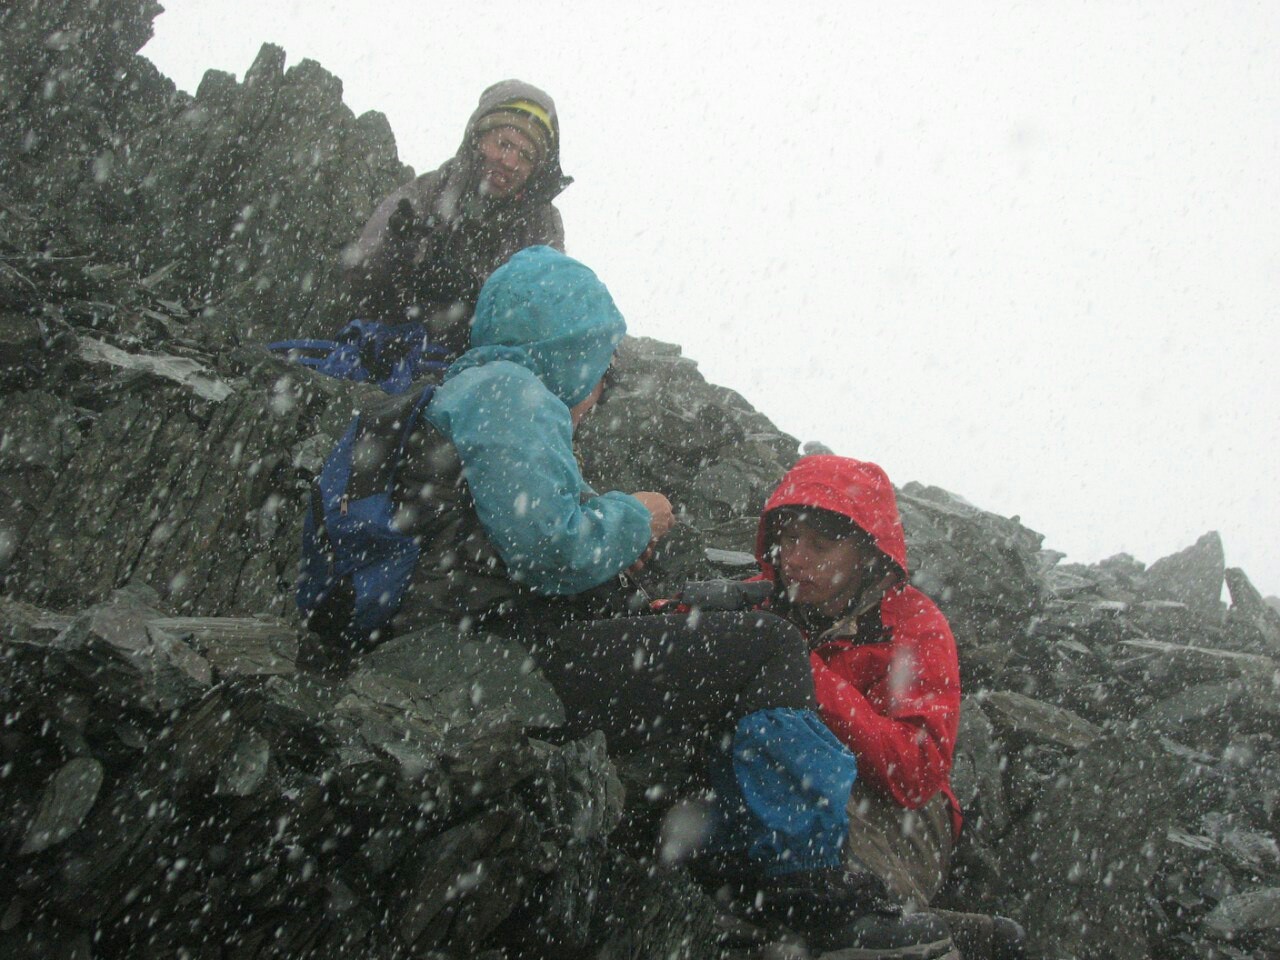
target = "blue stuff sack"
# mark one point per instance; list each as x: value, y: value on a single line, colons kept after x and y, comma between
x: 783, y: 793
x: 391, y: 355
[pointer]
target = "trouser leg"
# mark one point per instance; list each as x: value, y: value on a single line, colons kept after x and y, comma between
x: 649, y: 679
x: 895, y: 861
x: 908, y: 850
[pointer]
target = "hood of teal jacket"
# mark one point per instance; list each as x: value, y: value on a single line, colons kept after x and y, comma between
x: 551, y: 314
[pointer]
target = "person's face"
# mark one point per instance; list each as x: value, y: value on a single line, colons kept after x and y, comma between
x: 507, y: 159
x: 583, y: 407
x: 819, y: 571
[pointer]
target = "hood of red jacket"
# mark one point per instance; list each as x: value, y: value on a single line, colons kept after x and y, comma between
x: 855, y: 489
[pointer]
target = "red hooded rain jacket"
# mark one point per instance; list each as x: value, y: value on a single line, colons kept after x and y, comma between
x: 895, y: 700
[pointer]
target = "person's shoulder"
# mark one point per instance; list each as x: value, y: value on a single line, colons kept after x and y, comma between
x: 497, y: 381
x: 907, y: 605
x: 494, y: 373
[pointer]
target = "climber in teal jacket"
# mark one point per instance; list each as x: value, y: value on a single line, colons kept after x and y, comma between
x: 507, y: 405
x: 543, y: 338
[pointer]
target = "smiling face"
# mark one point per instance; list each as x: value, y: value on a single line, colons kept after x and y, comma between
x: 507, y: 160
x: 822, y: 571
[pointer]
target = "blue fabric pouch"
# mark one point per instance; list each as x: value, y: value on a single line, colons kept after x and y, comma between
x: 782, y: 793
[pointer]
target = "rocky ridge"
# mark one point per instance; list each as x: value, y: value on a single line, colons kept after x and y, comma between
x: 175, y: 786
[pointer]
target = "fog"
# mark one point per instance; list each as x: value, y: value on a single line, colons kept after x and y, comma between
x: 1027, y: 254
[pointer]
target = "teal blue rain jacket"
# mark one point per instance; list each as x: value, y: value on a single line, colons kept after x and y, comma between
x: 544, y: 333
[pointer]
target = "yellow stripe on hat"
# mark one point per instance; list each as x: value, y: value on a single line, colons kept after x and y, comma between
x: 531, y: 108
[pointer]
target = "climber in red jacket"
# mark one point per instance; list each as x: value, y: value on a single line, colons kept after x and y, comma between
x: 883, y: 657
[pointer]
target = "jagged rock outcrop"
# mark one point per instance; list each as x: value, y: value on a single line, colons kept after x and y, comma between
x: 237, y: 200
x: 174, y: 785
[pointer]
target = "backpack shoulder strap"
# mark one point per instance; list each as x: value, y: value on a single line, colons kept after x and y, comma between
x: 407, y: 427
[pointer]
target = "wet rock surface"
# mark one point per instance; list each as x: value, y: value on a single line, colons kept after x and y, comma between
x: 174, y: 785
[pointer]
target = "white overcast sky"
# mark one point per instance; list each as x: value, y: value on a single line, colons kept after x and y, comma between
x: 1026, y: 252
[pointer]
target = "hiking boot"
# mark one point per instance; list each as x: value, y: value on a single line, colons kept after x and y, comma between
x: 821, y: 898
x: 885, y: 936
x: 983, y: 937
x: 740, y: 939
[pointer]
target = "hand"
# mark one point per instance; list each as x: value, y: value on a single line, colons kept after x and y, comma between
x: 661, y: 517
x: 402, y: 222
x: 642, y: 561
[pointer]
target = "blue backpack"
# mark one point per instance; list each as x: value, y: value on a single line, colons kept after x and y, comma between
x: 391, y: 355
x: 356, y: 565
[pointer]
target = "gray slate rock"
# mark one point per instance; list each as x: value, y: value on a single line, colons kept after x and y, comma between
x: 183, y: 371
x: 1025, y: 719
x: 1252, y: 624
x: 1252, y: 912
x: 67, y: 800
x: 1086, y: 856
x: 1193, y: 576
x: 114, y: 646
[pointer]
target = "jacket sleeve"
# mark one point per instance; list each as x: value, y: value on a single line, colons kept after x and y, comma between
x: 376, y: 263
x: 903, y: 729
x: 515, y: 441
x: 553, y: 229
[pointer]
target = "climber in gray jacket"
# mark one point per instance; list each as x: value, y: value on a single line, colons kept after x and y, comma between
x: 431, y: 244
